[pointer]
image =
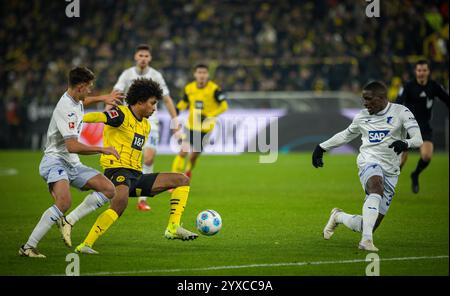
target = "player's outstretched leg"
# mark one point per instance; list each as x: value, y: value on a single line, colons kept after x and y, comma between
x: 191, y: 163
x: 105, y: 220
x: 178, y: 201
x: 337, y: 216
x: 61, y: 192
x: 331, y: 225
x: 149, y: 156
x: 370, y: 215
x: 104, y: 191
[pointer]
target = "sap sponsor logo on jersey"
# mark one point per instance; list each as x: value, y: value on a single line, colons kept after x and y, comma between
x: 377, y: 136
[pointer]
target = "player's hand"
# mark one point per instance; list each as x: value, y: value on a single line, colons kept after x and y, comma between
x: 399, y: 146
x: 111, y: 151
x: 179, y: 134
x: 317, y: 157
x: 114, y: 99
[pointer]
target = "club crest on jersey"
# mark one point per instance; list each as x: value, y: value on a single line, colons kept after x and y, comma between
x: 389, y: 119
x: 377, y: 136
x: 112, y: 114
x: 71, y: 125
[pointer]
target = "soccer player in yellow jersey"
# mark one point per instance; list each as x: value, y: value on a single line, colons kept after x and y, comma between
x: 126, y: 129
x: 205, y: 101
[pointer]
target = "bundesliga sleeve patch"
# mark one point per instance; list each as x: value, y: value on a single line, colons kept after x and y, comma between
x: 112, y: 114
x: 114, y: 117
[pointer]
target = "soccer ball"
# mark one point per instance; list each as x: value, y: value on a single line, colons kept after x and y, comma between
x: 209, y: 222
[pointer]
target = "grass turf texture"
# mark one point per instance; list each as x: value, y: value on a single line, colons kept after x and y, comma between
x: 272, y: 214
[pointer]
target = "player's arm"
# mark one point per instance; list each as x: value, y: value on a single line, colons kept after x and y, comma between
x: 412, y: 127
x: 73, y: 146
x: 222, y: 100
x: 183, y: 103
x: 114, y: 99
x: 337, y: 140
x: 113, y: 117
x: 442, y: 94
x: 168, y: 102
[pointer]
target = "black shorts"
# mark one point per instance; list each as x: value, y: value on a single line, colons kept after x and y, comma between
x: 197, y: 140
x: 426, y: 131
x: 139, y: 184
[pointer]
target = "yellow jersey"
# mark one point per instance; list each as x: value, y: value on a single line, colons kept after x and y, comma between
x: 127, y: 134
x: 206, y: 102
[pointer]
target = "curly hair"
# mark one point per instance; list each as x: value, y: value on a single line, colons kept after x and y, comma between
x: 142, y: 89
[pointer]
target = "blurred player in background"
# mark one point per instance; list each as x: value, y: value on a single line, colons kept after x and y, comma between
x: 418, y: 95
x: 61, y: 167
x: 127, y: 129
x: 205, y: 101
x: 143, y: 57
x: 383, y: 127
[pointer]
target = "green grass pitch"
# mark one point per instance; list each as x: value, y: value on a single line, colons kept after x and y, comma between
x: 273, y: 216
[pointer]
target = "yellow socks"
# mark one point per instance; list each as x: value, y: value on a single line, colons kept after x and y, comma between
x: 188, y: 166
x: 178, y: 164
x: 177, y: 204
x: 104, y: 221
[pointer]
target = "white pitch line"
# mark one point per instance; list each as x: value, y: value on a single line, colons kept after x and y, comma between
x: 259, y: 265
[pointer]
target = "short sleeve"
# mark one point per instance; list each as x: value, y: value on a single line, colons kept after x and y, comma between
x: 121, y: 83
x: 219, y: 95
x: 114, y: 117
x: 67, y: 123
x: 162, y: 83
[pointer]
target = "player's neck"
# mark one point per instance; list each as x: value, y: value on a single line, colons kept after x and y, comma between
x: 202, y: 85
x: 135, y: 112
x: 142, y: 71
x: 73, y: 95
x: 422, y: 82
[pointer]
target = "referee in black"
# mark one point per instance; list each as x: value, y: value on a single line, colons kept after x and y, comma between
x: 418, y: 95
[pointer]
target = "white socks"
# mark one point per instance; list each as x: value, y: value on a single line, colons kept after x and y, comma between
x: 146, y: 169
x: 370, y: 214
x: 49, y: 217
x: 91, y: 202
x: 354, y: 222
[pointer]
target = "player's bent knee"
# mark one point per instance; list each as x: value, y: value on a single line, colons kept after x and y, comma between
x: 64, y: 204
x: 148, y: 162
x: 375, y: 185
x: 182, y: 180
x: 109, y: 192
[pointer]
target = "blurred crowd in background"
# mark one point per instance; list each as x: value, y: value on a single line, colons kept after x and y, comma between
x: 277, y: 45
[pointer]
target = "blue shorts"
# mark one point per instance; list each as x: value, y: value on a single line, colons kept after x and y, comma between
x: 54, y: 169
x: 389, y: 183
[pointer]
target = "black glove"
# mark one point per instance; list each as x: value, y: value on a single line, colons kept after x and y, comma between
x: 399, y: 146
x: 317, y: 157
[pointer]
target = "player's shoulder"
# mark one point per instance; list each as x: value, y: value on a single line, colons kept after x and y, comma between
x: 66, y: 102
x: 213, y: 84
x: 116, y: 116
x: 155, y: 73
x: 128, y: 71
x: 190, y: 86
x: 398, y: 109
x: 409, y: 83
